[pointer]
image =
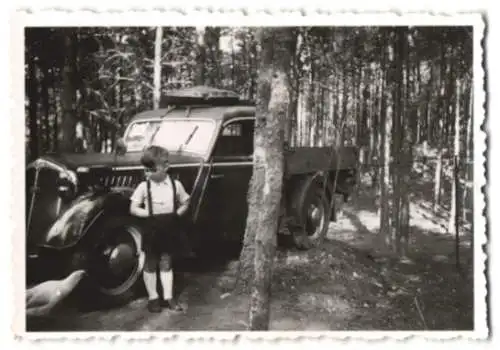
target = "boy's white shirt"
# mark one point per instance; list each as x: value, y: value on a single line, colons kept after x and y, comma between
x: 161, y: 195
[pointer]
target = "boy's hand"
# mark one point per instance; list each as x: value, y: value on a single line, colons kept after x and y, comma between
x: 183, y: 208
x: 138, y: 211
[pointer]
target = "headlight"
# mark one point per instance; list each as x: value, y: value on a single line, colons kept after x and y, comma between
x: 67, y: 184
x: 70, y: 175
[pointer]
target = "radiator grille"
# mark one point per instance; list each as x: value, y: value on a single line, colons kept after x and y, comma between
x: 120, y: 180
x: 114, y: 178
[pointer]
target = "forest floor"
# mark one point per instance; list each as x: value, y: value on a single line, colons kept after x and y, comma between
x: 351, y: 282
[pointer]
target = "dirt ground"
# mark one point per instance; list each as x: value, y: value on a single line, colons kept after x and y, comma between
x: 350, y: 283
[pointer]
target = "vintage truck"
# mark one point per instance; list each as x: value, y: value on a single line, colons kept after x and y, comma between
x: 77, y: 205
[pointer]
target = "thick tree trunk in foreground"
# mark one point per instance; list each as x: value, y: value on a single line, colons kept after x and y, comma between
x: 265, y: 195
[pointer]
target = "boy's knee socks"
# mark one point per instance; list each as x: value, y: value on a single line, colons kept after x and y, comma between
x: 150, y: 284
x: 167, y: 282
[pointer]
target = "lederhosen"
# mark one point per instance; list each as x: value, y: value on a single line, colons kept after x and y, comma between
x: 162, y: 236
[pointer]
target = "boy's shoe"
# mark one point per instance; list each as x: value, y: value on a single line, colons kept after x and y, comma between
x: 154, y: 305
x: 171, y: 305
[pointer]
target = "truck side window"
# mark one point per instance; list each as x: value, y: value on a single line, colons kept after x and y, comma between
x: 236, y: 139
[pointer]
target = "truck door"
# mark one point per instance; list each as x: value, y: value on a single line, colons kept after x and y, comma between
x: 228, y: 182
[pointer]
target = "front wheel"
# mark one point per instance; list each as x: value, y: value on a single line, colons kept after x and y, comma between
x: 116, y: 259
x: 313, y: 213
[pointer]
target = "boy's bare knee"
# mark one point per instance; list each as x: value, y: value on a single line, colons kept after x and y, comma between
x: 165, y: 263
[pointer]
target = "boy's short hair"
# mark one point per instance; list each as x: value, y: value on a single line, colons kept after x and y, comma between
x: 154, y: 156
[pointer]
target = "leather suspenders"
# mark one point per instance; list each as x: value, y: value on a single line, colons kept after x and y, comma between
x: 150, y: 200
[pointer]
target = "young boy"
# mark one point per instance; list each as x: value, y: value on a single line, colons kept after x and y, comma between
x: 154, y: 199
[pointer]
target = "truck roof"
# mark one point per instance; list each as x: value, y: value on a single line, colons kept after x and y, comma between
x: 217, y: 113
x: 200, y: 102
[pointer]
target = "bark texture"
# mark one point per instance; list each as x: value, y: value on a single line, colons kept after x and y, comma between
x: 256, y: 261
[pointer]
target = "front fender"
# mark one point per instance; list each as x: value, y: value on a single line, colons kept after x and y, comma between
x: 74, y: 223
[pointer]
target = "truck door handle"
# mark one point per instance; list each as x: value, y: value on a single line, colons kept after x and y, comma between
x: 216, y: 176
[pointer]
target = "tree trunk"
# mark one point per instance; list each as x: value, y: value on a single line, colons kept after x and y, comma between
x: 45, y: 108
x: 201, y: 57
x: 331, y: 117
x: 32, y: 87
x: 293, y: 84
x: 448, y: 101
x: 253, y: 66
x: 68, y: 98
x: 57, y: 113
x: 398, y: 137
x: 157, y: 68
x: 418, y: 85
x: 309, y: 98
x: 212, y: 38
x: 265, y: 197
x: 385, y: 150
x: 233, y: 61
x: 454, y: 207
x: 441, y: 134
x: 345, y: 92
x: 377, y: 127
x: 137, y: 96
x: 430, y: 101
x: 310, y: 110
x: 291, y: 124
x: 361, y: 134
x: 320, y: 103
x: 468, y: 157
x: 355, y: 109
x: 437, y: 179
x: 299, y: 116
x: 336, y: 110
x: 409, y: 125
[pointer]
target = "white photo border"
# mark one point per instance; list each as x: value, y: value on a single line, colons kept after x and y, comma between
x: 239, y: 17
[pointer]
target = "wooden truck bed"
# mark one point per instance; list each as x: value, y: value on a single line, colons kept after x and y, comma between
x: 303, y: 160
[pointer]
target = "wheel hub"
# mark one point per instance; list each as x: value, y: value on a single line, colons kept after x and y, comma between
x: 315, y: 216
x: 117, y: 261
x: 120, y: 258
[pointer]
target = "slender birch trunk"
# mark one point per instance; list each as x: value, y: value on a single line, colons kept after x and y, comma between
x: 157, y: 68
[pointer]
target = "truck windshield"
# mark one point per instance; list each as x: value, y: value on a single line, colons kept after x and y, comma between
x: 139, y: 133
x: 192, y: 135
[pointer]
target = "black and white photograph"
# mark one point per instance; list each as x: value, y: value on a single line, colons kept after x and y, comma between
x: 253, y: 178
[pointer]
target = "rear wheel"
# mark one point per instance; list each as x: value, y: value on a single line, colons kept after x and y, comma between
x: 116, y: 260
x: 313, y: 213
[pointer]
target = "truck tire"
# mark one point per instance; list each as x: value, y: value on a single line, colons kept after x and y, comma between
x: 312, y: 214
x: 115, y: 260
